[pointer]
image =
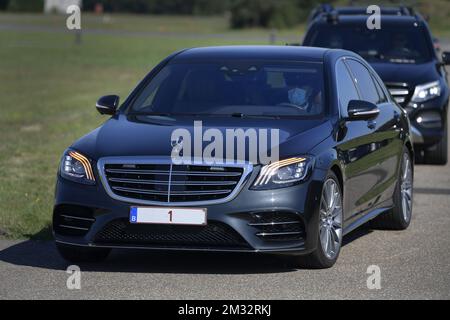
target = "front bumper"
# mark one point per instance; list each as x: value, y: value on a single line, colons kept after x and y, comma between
x: 238, y: 215
x: 428, y: 121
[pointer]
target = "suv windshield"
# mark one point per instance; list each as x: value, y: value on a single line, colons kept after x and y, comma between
x: 399, y: 44
x: 234, y: 88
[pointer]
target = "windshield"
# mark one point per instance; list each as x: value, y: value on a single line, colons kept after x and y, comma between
x: 235, y: 89
x: 405, y: 44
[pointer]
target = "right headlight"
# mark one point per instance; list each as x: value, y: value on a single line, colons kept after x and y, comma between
x: 427, y: 91
x: 76, y: 167
x: 283, y: 173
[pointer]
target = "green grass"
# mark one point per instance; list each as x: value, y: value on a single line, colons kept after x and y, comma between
x: 49, y: 86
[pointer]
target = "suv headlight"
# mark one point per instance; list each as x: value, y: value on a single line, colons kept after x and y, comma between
x: 283, y: 173
x: 427, y: 91
x: 76, y: 167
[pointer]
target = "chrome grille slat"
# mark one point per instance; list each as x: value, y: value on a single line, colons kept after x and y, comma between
x: 72, y: 227
x: 175, y: 193
x: 77, y: 218
x: 400, y: 92
x: 157, y: 181
x: 261, y: 224
x: 271, y: 234
x: 175, y: 173
x: 131, y: 190
x: 174, y: 183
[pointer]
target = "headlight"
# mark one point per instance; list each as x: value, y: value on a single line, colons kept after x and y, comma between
x: 284, y: 173
x: 76, y: 167
x: 425, y: 92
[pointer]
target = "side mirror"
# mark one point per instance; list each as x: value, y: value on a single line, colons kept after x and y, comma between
x: 107, y: 104
x: 362, y: 110
x: 446, y: 58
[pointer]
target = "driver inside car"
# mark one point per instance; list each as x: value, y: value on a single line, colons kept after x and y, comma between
x: 301, y: 94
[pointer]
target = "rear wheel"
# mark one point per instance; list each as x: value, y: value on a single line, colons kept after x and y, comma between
x: 82, y: 254
x: 329, y: 228
x: 399, y: 218
x: 437, y: 154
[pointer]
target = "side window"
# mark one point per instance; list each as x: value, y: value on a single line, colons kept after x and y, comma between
x: 364, y: 81
x: 345, y: 87
x: 381, y: 94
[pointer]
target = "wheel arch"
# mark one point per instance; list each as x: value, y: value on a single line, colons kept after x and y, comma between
x: 410, y: 148
x: 337, y: 171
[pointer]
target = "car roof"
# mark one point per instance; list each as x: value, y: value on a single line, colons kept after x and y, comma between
x: 291, y: 53
x: 385, y: 10
x: 390, y: 20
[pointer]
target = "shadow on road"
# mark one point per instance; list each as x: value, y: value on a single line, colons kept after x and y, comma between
x: 43, y: 254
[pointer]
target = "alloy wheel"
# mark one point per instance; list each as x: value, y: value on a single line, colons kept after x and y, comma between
x: 331, y: 219
x: 406, y: 188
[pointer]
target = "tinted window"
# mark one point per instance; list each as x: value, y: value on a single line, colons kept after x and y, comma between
x: 399, y: 44
x: 345, y: 87
x: 225, y: 88
x: 364, y: 81
x: 381, y: 94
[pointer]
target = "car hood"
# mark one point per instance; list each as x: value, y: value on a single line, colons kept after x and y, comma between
x: 412, y: 74
x: 151, y: 136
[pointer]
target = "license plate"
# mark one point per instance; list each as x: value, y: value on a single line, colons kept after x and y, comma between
x: 176, y: 216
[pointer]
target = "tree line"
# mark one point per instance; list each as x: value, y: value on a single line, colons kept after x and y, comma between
x: 242, y: 13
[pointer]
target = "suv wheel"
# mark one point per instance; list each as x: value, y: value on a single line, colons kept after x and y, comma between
x: 399, y: 218
x: 82, y: 254
x: 330, y: 227
x: 437, y: 154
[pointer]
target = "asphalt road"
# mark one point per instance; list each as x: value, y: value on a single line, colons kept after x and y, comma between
x: 414, y: 264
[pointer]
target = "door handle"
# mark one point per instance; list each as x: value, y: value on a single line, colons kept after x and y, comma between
x: 371, y: 124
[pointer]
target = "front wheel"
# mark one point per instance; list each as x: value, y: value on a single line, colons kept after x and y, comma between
x: 329, y: 227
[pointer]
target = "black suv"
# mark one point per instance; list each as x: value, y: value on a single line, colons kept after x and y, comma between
x: 403, y: 54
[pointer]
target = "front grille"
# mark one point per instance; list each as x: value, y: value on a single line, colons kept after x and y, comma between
x: 278, y: 226
x: 400, y: 92
x: 213, y: 235
x: 70, y: 220
x: 172, y: 183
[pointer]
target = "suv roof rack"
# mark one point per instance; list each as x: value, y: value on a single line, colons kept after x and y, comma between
x: 332, y: 14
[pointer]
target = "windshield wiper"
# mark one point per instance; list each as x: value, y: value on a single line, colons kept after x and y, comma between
x: 157, y: 114
x: 243, y: 115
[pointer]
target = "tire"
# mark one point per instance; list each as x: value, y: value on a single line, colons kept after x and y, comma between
x: 320, y: 258
x: 438, y: 154
x: 82, y: 254
x: 396, y: 219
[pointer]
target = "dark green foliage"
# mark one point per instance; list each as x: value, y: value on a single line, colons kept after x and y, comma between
x: 23, y: 5
x: 269, y: 13
x: 244, y: 13
x: 187, y: 7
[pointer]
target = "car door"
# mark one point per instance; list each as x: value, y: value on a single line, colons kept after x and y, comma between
x: 353, y: 145
x: 373, y: 178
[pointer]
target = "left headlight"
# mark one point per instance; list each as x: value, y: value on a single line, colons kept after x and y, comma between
x: 427, y: 91
x: 76, y: 167
x: 283, y: 173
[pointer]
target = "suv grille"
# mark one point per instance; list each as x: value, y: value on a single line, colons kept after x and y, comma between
x: 400, y: 92
x: 172, y: 183
x: 213, y: 235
